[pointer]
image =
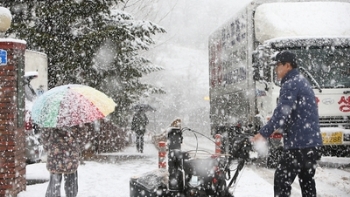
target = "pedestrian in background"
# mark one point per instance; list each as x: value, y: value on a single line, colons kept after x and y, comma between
x: 63, y: 149
x: 296, y: 116
x: 138, y: 125
x: 40, y: 91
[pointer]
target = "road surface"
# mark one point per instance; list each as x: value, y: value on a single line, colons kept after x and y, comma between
x: 332, y: 174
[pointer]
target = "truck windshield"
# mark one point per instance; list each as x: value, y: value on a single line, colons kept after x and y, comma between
x: 330, y: 67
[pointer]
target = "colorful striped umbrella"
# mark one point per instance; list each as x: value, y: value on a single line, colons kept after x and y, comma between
x: 70, y: 105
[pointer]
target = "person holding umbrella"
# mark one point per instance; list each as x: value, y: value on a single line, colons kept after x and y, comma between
x: 63, y: 147
x: 60, y: 112
x: 138, y: 125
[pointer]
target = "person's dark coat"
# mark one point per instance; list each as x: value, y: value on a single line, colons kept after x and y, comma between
x: 296, y: 114
x: 63, y: 150
x: 139, y: 123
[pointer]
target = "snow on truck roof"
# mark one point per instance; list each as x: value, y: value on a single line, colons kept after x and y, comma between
x: 302, y: 19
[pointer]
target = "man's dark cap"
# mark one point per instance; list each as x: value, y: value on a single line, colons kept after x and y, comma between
x: 285, y: 56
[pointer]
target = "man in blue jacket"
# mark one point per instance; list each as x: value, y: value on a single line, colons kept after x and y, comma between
x: 296, y: 116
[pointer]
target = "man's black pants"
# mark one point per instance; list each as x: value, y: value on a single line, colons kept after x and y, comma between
x: 297, y: 162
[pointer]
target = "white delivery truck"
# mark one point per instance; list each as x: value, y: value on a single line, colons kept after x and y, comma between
x: 243, y: 87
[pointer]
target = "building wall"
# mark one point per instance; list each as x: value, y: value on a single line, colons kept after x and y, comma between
x: 12, y: 137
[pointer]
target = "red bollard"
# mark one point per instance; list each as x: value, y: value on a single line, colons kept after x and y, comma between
x: 162, y: 154
x: 217, y: 144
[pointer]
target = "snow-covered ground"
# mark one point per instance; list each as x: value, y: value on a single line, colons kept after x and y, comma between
x: 98, y: 179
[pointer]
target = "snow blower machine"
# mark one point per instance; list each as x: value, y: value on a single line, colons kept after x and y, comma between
x: 194, y: 177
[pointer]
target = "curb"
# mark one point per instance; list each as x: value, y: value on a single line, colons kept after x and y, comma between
x: 115, y: 158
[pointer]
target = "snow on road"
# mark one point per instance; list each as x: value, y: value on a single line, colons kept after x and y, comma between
x: 97, y: 179
x: 330, y: 181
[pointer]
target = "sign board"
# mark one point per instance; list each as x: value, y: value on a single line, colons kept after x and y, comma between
x: 3, y: 57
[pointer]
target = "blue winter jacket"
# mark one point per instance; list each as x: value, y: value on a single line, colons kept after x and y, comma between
x: 296, y: 114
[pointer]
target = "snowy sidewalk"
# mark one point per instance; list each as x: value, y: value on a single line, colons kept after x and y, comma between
x: 99, y: 179
x: 37, y: 173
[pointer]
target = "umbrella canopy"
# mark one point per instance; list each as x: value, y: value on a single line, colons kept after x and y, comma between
x: 70, y: 105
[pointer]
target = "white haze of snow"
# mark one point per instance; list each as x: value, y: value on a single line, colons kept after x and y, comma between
x: 183, y: 54
x: 191, y: 22
x: 305, y: 19
x: 261, y: 147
